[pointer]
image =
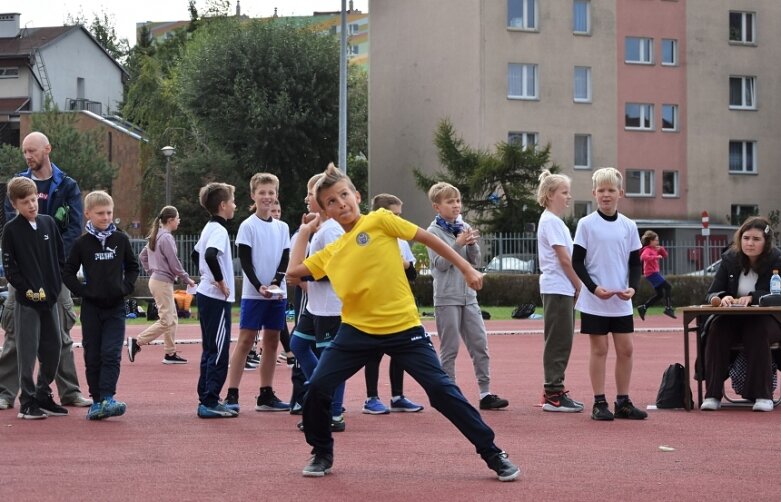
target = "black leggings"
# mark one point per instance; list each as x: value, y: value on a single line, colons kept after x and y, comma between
x: 372, y: 374
x: 662, y: 291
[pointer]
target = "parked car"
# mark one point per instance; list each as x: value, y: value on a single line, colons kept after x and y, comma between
x: 512, y: 264
x: 707, y: 271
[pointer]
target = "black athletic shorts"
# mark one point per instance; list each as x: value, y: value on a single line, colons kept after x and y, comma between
x: 601, y: 325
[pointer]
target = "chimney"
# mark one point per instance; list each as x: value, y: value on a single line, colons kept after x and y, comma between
x: 352, y: 7
x: 9, y: 25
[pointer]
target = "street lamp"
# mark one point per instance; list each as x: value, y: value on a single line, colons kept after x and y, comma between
x: 169, y: 152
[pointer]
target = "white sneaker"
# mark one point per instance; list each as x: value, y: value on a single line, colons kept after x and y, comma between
x: 763, y: 405
x: 79, y: 401
x: 5, y: 404
x: 710, y: 404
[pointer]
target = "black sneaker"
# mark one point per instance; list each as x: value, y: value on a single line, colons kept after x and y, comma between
x: 253, y: 357
x: 501, y: 465
x: 232, y: 400
x: 268, y: 401
x: 319, y: 465
x: 628, y: 411
x: 601, y: 411
x: 670, y: 312
x: 48, y: 406
x: 132, y: 348
x: 31, y: 412
x: 560, y: 401
x: 174, y: 359
x: 641, y: 310
x: 338, y: 424
x: 493, y: 402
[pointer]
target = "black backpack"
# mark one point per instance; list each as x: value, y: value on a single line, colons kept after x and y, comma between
x: 671, y: 391
x: 523, y: 311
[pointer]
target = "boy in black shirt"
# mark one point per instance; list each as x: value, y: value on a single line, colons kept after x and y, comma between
x: 32, y: 257
x: 110, y: 273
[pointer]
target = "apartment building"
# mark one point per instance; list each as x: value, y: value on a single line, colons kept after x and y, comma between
x: 679, y: 95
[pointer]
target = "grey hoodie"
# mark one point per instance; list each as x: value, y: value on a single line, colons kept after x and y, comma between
x: 450, y: 288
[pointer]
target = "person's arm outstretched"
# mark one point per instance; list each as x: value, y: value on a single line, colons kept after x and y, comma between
x: 474, y: 279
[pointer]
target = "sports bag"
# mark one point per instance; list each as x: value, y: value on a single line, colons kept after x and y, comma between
x: 671, y: 391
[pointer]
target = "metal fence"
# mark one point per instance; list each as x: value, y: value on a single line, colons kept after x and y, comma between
x: 684, y: 257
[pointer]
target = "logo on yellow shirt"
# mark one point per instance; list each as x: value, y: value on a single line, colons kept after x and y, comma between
x: 362, y: 239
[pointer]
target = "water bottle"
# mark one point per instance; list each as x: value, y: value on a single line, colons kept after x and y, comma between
x: 775, y: 283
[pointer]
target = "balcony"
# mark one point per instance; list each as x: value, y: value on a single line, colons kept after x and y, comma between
x: 78, y: 104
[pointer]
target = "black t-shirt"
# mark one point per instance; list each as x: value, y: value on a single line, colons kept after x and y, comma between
x: 43, y: 195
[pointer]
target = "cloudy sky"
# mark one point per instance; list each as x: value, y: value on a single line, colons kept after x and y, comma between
x: 126, y: 13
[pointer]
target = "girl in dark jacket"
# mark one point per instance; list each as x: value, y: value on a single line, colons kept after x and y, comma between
x: 743, y: 277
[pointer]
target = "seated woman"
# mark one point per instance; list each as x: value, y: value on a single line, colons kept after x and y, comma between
x: 744, y: 276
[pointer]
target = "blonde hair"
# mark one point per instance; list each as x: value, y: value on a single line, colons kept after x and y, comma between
x: 648, y: 236
x: 20, y: 187
x: 441, y: 190
x: 214, y: 194
x: 331, y: 176
x: 385, y: 201
x: 549, y: 183
x: 263, y: 179
x: 313, y: 180
x: 167, y: 214
x: 97, y: 198
x: 607, y: 176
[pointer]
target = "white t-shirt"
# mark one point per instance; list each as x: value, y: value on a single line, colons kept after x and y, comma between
x: 267, y: 240
x: 214, y: 235
x: 321, y: 298
x: 551, y: 231
x: 608, y: 245
x: 406, y: 252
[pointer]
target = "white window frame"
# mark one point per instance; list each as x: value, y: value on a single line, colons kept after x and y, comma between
x: 9, y: 72
x: 587, y: 139
x: 587, y: 71
x: 527, y: 139
x: 748, y: 92
x: 646, y: 50
x: 674, y: 109
x: 524, y: 91
x: 646, y: 188
x: 748, y: 157
x: 646, y: 115
x: 587, y: 5
x: 745, y: 38
x: 676, y: 184
x: 588, y: 206
x: 527, y: 22
x: 674, y: 44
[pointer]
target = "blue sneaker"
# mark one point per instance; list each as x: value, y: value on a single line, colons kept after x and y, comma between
x: 112, y: 408
x: 217, y: 411
x: 404, y: 404
x: 96, y: 412
x: 373, y: 406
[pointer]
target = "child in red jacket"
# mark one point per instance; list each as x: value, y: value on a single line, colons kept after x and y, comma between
x: 651, y: 253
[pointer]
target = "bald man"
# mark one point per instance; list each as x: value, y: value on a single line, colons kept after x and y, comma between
x: 59, y: 197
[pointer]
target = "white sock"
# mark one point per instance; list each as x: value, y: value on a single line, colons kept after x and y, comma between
x: 483, y: 394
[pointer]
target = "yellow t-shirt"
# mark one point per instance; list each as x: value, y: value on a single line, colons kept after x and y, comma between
x: 366, y: 271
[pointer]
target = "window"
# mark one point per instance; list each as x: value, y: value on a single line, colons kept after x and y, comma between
x: 742, y: 157
x: 522, y: 81
x: 742, y: 93
x: 582, y: 151
x: 669, y: 52
x: 581, y: 16
x: 525, y: 139
x: 639, y: 50
x: 669, y: 183
x: 582, y: 208
x: 669, y: 117
x: 12, y: 72
x: 741, y: 212
x: 354, y: 50
x: 355, y: 28
x: 639, y: 116
x: 639, y: 183
x: 582, y: 84
x: 522, y: 14
x: 742, y: 27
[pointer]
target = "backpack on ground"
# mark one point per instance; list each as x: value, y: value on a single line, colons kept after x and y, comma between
x: 671, y: 391
x: 523, y: 311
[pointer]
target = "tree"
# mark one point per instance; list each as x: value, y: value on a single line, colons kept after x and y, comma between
x: 102, y: 28
x: 266, y: 93
x: 498, y: 189
x: 357, y: 111
x: 11, y: 161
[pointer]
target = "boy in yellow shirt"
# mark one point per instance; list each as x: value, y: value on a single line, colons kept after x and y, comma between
x: 378, y: 316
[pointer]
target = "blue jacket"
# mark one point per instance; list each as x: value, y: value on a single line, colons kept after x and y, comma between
x: 63, y: 191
